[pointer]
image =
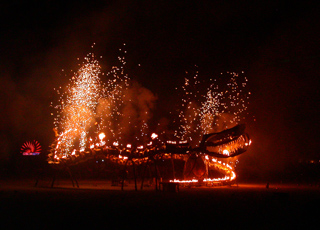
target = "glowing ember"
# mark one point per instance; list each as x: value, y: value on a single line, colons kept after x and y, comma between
x: 101, y: 136
x: 225, y: 152
x: 154, y: 136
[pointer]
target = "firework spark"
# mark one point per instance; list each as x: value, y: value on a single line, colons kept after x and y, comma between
x: 214, y: 109
x: 120, y: 109
x: 77, y: 109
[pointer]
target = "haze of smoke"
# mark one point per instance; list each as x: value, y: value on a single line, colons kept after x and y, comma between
x: 129, y: 121
x: 137, y: 112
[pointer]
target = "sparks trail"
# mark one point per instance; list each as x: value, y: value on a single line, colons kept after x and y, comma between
x: 76, y: 112
x: 111, y: 105
x: 220, y: 106
x: 120, y: 108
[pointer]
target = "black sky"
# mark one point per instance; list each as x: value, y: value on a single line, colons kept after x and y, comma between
x: 274, y: 42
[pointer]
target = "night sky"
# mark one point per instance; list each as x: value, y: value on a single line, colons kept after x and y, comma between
x: 275, y: 43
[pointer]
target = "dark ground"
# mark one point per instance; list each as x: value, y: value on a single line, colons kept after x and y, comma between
x: 97, y: 204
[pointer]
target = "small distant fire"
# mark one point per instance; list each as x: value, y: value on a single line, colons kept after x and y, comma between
x: 31, y: 148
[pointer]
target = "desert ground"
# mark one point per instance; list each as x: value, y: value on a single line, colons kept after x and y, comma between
x: 98, y: 204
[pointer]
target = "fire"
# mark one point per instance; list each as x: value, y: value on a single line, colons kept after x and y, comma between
x: 172, y: 142
x: 222, y: 179
x: 78, y: 107
x: 102, y: 136
x: 90, y: 105
x: 249, y: 143
x: 154, y: 136
x: 225, y: 152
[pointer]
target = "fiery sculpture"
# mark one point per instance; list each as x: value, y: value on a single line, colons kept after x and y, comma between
x: 89, y: 107
x: 228, y: 143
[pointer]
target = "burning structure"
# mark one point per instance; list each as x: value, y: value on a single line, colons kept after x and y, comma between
x: 92, y: 117
x: 198, y: 162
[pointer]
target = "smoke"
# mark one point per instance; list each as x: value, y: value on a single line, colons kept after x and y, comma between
x: 191, y: 123
x: 223, y: 121
x: 128, y: 121
x: 282, y: 67
x: 138, y: 105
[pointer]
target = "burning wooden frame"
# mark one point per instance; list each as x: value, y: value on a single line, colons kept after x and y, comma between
x: 197, y: 161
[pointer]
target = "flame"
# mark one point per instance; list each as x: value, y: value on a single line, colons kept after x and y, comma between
x: 225, y: 152
x: 228, y: 170
x: 172, y: 142
x: 154, y: 136
x: 101, y: 136
x: 123, y: 157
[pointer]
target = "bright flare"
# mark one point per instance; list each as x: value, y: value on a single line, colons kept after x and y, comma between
x: 101, y: 136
